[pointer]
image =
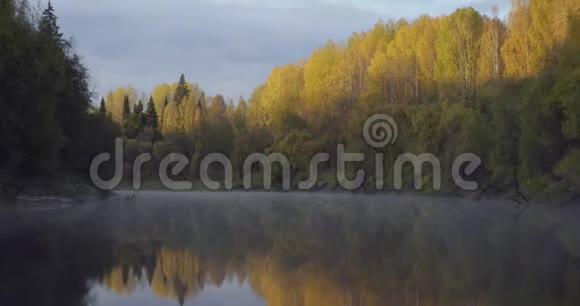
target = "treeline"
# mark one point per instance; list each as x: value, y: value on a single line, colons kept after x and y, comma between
x: 505, y: 90
x: 47, y: 126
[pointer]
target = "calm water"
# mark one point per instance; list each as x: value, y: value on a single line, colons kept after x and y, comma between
x: 288, y: 249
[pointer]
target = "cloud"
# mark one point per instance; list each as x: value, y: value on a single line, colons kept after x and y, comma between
x: 227, y: 46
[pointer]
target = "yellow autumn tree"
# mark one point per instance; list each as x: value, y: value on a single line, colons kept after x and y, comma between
x: 170, y: 119
x: 521, y: 56
x: 282, y: 94
x: 402, y: 56
x: 425, y: 50
x: 458, y: 51
x: 114, y: 101
x: 491, y: 66
x: 255, y: 115
x: 325, y: 84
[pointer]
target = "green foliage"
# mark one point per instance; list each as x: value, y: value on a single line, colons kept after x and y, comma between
x: 299, y: 146
x: 508, y: 92
x: 568, y: 83
x: 455, y: 84
x: 49, y: 25
x: 151, y: 119
x: 102, y: 107
x: 425, y: 125
x: 46, y: 126
x: 182, y: 90
x: 133, y: 125
x: 541, y: 141
x: 570, y: 164
x: 218, y: 134
x: 126, y: 109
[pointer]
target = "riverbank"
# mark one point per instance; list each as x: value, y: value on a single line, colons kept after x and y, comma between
x: 70, y: 190
x: 48, y: 192
x: 562, y: 194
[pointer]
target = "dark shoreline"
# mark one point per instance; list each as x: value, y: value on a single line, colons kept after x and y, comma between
x: 71, y: 191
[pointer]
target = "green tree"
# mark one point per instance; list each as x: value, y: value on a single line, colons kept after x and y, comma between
x: 151, y: 117
x: 150, y: 128
x: 49, y: 25
x: 103, y: 108
x: 134, y: 123
x: 47, y: 126
x: 219, y: 134
x: 182, y: 90
x: 139, y: 108
x: 126, y: 109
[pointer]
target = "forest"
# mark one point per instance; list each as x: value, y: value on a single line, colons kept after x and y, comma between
x: 48, y: 127
x: 506, y: 90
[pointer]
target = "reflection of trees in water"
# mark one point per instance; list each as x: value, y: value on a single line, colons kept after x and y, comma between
x: 182, y: 275
x: 350, y: 254
x: 50, y: 265
x: 329, y: 252
x: 177, y: 273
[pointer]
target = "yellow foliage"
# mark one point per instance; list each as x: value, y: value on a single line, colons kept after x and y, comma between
x: 282, y: 92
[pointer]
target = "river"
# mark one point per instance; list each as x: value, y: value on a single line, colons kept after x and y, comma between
x: 290, y: 249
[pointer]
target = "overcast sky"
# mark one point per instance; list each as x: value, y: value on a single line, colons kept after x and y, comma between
x: 227, y: 46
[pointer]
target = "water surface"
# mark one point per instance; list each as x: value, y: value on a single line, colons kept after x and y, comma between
x: 290, y: 249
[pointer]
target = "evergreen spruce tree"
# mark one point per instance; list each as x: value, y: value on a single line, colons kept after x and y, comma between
x: 48, y: 24
x: 126, y: 109
x: 44, y: 98
x: 182, y: 90
x: 151, y: 117
x: 134, y: 123
x: 7, y: 8
x: 103, y: 108
x: 139, y: 108
x: 139, y: 115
